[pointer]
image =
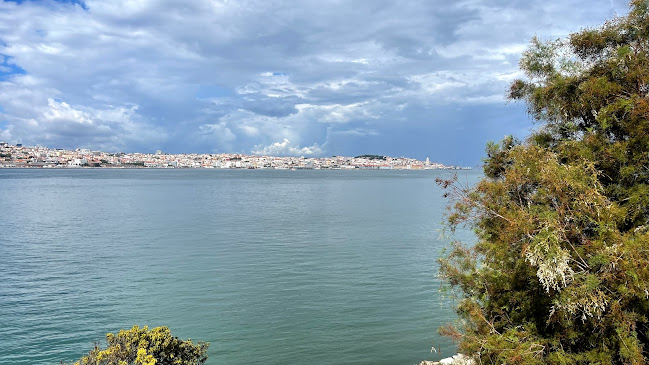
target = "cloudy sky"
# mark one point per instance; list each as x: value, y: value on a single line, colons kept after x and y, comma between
x: 307, y: 78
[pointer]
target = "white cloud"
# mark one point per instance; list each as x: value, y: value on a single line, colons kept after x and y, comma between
x: 220, y: 131
x: 250, y: 130
x: 50, y: 121
x: 285, y: 148
x: 359, y: 132
x: 61, y: 112
x: 336, y: 113
x: 299, y: 71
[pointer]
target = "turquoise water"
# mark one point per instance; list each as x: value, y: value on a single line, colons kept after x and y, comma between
x: 280, y: 267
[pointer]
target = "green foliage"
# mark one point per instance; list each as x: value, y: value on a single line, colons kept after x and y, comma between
x: 141, y: 346
x: 560, y: 272
x: 372, y: 157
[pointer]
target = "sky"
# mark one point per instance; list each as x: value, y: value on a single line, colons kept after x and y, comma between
x: 309, y: 78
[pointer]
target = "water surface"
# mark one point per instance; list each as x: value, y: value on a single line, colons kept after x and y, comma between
x: 282, y: 267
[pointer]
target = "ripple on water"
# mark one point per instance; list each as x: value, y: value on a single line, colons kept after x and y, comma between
x: 331, y: 266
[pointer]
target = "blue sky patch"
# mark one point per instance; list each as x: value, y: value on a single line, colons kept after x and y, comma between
x: 78, y: 2
x: 8, y: 68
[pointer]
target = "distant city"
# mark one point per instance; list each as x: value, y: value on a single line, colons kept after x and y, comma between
x: 19, y: 156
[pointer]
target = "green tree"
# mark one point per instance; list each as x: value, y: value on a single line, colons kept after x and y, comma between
x: 560, y: 272
x: 141, y: 346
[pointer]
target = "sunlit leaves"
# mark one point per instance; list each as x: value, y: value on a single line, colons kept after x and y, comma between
x: 560, y: 272
x: 141, y: 346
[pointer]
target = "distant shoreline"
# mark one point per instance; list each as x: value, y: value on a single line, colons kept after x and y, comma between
x: 64, y: 167
x: 19, y: 156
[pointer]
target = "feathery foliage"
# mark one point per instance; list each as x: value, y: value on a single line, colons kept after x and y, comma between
x: 560, y: 272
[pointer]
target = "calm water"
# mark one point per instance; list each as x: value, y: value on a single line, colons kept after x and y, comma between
x: 281, y: 267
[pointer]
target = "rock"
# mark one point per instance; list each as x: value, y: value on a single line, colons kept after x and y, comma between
x: 458, y: 359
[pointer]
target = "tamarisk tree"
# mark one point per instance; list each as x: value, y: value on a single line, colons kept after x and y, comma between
x: 560, y: 270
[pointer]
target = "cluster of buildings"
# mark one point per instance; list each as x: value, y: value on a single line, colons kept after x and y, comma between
x: 16, y: 156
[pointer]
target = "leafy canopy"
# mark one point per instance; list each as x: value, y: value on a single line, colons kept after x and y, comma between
x: 141, y: 346
x: 560, y: 272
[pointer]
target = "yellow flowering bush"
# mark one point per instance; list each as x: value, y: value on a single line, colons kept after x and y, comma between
x: 141, y: 346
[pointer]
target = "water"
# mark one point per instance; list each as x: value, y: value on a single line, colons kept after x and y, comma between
x: 280, y: 267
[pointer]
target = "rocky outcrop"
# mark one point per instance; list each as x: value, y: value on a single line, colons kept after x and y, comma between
x: 458, y: 359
